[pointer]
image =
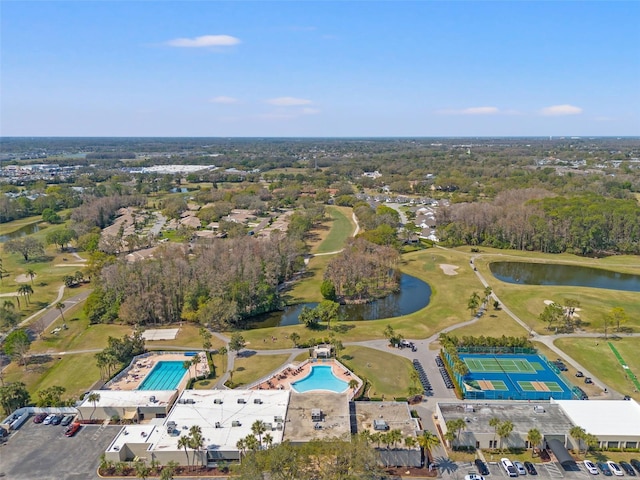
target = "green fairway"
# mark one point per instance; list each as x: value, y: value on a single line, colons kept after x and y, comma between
x: 342, y: 227
x: 528, y: 301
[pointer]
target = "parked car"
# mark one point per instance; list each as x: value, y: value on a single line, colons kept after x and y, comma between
x: 482, y: 467
x: 47, y: 419
x: 508, y: 467
x: 57, y: 420
x: 520, y: 468
x: 636, y: 464
x: 72, y: 429
x: 579, y: 374
x: 591, y: 468
x: 66, y: 420
x: 628, y: 469
x: 615, y: 468
x: 39, y: 418
x: 473, y: 476
x: 604, y: 468
x: 588, y: 380
x: 531, y: 470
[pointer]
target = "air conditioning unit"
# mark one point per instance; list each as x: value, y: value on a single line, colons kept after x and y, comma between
x: 236, y: 423
x: 218, y: 425
x: 242, y: 400
x: 257, y: 400
x: 217, y: 401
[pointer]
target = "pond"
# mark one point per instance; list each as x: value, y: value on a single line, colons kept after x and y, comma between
x: 565, y: 275
x: 414, y: 295
x: 27, y: 229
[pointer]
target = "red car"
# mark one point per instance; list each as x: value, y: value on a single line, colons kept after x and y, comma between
x: 72, y: 429
x: 39, y: 418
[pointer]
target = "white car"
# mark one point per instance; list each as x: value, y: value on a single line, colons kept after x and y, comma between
x: 47, y: 420
x: 520, y: 468
x: 473, y: 476
x: 615, y: 468
x: 591, y: 468
x: 508, y: 467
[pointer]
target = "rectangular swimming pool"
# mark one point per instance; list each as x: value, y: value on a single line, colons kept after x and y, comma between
x: 163, y: 376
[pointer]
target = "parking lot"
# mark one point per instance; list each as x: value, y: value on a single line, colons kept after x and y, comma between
x: 549, y: 470
x: 42, y: 452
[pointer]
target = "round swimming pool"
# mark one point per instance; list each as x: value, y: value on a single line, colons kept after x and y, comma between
x: 320, y: 378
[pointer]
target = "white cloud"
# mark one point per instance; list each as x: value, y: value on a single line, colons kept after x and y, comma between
x: 205, y: 41
x: 223, y: 100
x: 288, y: 101
x: 472, y: 111
x: 310, y: 111
x: 559, y: 110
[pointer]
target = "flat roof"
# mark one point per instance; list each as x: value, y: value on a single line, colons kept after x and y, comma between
x: 548, y: 418
x: 395, y: 414
x: 129, y: 398
x: 205, y: 413
x: 604, y: 417
x: 335, y: 416
x: 131, y: 434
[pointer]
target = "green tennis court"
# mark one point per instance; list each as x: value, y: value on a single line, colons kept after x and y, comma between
x: 493, y: 364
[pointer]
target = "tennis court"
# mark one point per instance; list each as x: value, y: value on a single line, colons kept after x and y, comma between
x: 512, y: 377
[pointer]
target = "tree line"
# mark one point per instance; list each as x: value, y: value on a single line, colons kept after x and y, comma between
x: 219, y: 284
x: 534, y: 219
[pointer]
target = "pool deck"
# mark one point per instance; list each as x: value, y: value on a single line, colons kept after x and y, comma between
x: 131, y: 377
x: 284, y: 377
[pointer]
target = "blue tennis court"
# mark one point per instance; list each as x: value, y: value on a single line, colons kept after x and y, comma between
x: 163, y: 376
x: 512, y: 377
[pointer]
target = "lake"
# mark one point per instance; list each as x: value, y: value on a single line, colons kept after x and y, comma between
x: 414, y: 295
x: 27, y: 229
x: 564, y: 275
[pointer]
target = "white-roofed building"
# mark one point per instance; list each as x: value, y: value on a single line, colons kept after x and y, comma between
x: 224, y: 417
x: 616, y: 423
x: 135, y: 405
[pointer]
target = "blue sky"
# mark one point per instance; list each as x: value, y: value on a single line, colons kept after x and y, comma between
x: 303, y: 68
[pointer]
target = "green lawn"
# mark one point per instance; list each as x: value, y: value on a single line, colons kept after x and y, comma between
x: 249, y: 369
x: 596, y: 355
x: 388, y: 374
x: 342, y: 227
x: 188, y: 336
x: 77, y: 373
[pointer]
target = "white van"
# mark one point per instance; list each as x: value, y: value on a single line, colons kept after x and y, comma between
x: 508, y: 467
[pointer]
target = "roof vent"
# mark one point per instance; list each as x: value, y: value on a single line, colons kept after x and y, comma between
x: 218, y: 425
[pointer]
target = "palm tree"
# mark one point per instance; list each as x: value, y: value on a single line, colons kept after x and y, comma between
x: 410, y: 442
x: 353, y: 383
x: 474, y: 302
x: 142, y: 470
x: 60, y: 306
x: 25, y: 290
x: 267, y: 439
x: 183, y: 442
x: 187, y: 366
x: 93, y: 397
x: 223, y: 351
x: 534, y: 437
x: 504, y: 430
x: 294, y: 337
x: 252, y: 442
x: 578, y: 434
x: 258, y: 428
x: 31, y: 273
x: 427, y: 441
x: 495, y: 423
x: 196, y: 440
x: 241, y: 445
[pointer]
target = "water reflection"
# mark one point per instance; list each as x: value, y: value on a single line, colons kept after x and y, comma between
x: 21, y: 232
x: 414, y: 295
x: 565, y: 275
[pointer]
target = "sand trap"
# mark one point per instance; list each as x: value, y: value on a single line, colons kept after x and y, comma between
x: 24, y: 278
x: 70, y: 264
x: 449, y: 269
x: 549, y: 302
